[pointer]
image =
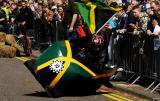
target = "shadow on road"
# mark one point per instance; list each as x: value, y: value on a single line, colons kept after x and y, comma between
x: 44, y: 94
x: 38, y: 94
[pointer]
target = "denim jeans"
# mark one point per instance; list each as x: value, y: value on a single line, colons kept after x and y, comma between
x: 73, y: 35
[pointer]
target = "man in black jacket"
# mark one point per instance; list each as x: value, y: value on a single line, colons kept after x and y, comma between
x: 26, y: 19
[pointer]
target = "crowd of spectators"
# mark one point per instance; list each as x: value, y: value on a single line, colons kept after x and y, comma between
x: 47, y: 21
x: 137, y: 39
x: 43, y: 18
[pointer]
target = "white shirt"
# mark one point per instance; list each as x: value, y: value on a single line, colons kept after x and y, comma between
x: 156, y: 29
x: 156, y: 40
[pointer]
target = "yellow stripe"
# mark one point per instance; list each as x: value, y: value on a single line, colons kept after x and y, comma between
x: 117, y: 96
x: 55, y: 81
x: 69, y: 52
x: 22, y: 59
x: 111, y: 97
x: 92, y: 26
x: 44, y: 65
x: 25, y: 58
x: 83, y: 66
x: 121, y: 97
x: 66, y: 65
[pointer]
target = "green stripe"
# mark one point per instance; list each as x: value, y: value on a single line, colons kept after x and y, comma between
x: 56, y: 50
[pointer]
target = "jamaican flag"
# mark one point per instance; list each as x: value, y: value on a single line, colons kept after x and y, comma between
x: 94, y: 13
x: 60, y: 73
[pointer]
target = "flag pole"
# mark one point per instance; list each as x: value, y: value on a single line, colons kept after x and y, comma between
x: 105, y: 23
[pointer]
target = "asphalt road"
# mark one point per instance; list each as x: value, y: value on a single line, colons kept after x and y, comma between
x: 18, y: 84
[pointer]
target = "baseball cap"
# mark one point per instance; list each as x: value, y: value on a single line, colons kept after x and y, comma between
x: 146, y: 6
x: 54, y: 7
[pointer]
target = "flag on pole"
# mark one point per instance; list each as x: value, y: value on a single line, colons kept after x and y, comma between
x: 94, y: 13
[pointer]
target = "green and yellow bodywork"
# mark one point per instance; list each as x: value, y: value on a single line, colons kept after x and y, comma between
x: 72, y: 78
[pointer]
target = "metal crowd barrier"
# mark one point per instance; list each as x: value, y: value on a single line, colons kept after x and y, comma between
x: 139, y: 55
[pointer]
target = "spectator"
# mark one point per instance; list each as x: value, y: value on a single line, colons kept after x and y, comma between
x: 156, y: 33
x: 5, y: 9
x: 3, y: 20
x: 1, y: 3
x: 70, y: 19
x: 58, y: 2
x: 50, y: 3
x: 26, y: 19
x: 155, y: 5
x: 131, y: 18
x: 14, y: 12
x: 142, y: 20
x: 122, y: 18
x: 37, y: 22
x: 60, y: 30
x: 156, y: 26
x: 60, y: 11
x: 56, y: 17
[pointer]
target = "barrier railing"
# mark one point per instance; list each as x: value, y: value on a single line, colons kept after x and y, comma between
x: 139, y: 55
